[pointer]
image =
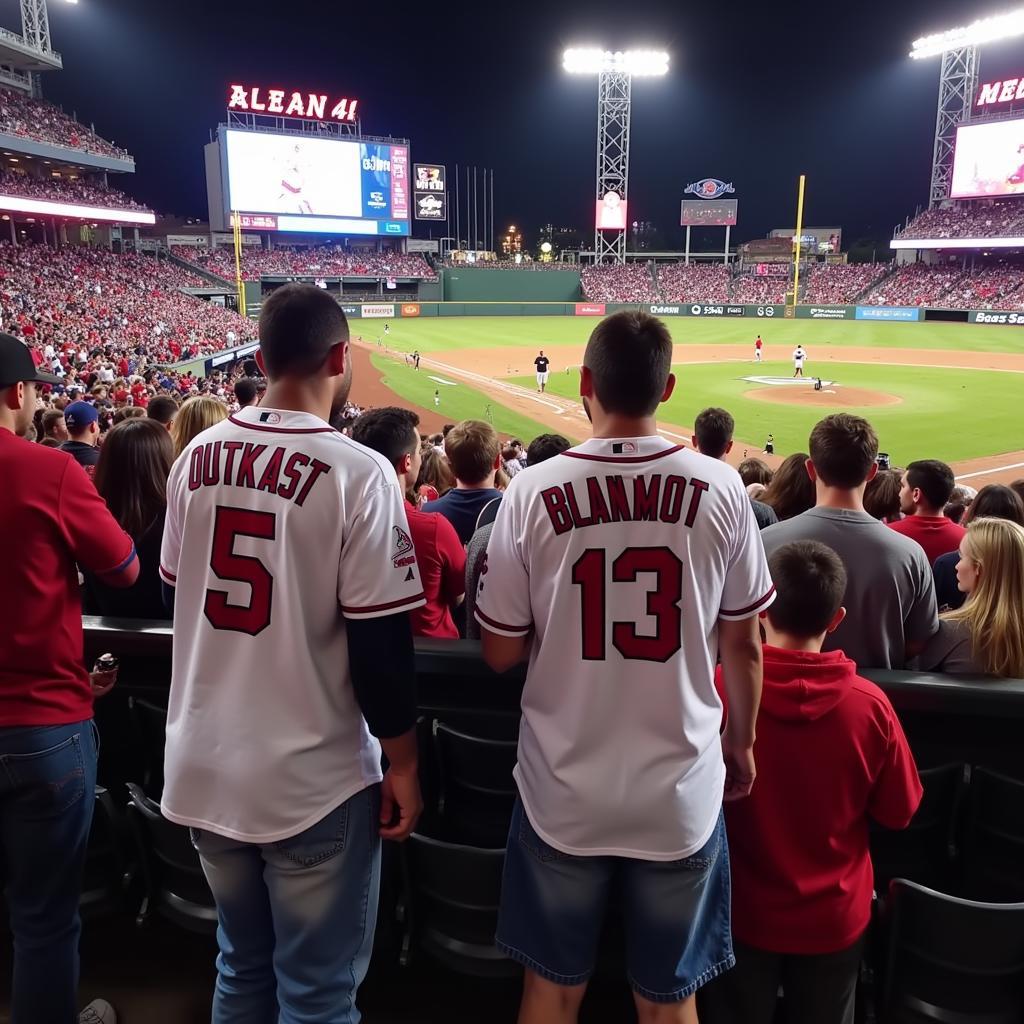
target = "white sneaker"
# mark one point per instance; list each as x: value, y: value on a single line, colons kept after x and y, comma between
x: 99, y: 1011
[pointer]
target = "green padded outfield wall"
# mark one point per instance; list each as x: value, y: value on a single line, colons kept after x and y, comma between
x: 471, y: 284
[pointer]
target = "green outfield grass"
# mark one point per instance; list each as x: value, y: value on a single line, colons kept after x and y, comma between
x: 945, y: 414
x: 457, y: 403
x: 437, y: 334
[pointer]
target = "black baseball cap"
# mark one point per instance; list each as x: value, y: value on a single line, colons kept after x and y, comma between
x: 16, y: 364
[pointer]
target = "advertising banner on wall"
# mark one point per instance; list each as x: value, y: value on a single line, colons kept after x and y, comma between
x: 825, y: 312
x: 378, y: 309
x: 410, y: 309
x: 590, y: 308
x: 988, y: 316
x: 907, y: 313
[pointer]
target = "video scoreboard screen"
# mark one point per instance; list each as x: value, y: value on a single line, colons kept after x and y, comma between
x: 280, y: 182
x: 989, y: 160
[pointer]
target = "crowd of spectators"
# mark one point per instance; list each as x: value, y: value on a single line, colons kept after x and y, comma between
x: 840, y: 283
x: 1000, y: 217
x: 318, y: 261
x: 29, y: 118
x: 915, y: 284
x: 694, y: 282
x: 994, y: 287
x: 755, y: 289
x: 629, y: 282
x: 66, y: 190
x: 93, y: 314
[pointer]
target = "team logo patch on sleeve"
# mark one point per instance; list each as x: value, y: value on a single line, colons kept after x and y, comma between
x: 404, y: 553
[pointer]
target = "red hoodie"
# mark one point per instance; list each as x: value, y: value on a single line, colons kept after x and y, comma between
x: 830, y: 754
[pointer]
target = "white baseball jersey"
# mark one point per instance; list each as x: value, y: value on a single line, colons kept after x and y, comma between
x: 799, y: 355
x: 278, y: 529
x: 622, y: 555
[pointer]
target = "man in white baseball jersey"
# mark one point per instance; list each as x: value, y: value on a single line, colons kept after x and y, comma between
x: 799, y: 355
x: 621, y: 568
x: 293, y: 571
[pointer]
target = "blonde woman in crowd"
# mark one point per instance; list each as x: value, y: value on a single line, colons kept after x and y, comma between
x: 195, y: 415
x: 987, y: 633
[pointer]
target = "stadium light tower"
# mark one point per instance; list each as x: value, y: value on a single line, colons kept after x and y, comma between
x: 615, y: 71
x: 958, y: 49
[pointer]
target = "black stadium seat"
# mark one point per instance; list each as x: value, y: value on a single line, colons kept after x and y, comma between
x: 951, y: 961
x: 477, y: 788
x: 150, y: 721
x: 994, y: 838
x: 176, y: 887
x: 453, y: 895
x: 925, y: 851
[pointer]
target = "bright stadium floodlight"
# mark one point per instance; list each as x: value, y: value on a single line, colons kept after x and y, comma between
x: 615, y: 70
x: 984, y: 30
x: 592, y: 61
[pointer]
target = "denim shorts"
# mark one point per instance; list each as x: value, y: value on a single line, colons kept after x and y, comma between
x: 676, y: 913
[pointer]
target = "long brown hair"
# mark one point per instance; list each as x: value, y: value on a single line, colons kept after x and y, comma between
x: 131, y: 475
x: 196, y: 414
x: 434, y: 471
x: 791, y: 490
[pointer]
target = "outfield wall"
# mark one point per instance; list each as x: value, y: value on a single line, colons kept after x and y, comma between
x: 474, y: 284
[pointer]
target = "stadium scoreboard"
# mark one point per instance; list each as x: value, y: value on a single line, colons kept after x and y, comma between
x: 988, y: 159
x: 299, y: 182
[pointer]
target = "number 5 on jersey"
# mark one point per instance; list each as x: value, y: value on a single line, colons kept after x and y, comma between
x: 254, y: 617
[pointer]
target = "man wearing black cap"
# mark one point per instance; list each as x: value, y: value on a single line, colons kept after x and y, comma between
x: 83, y: 422
x: 52, y: 520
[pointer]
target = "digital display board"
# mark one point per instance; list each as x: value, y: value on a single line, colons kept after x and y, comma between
x: 989, y: 160
x: 280, y: 182
x: 610, y: 213
x: 429, y: 193
x: 708, y: 213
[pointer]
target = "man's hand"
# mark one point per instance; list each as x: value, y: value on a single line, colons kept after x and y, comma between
x: 740, y: 770
x: 102, y: 682
x: 399, y: 799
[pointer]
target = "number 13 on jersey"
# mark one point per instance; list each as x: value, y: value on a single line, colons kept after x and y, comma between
x: 590, y: 574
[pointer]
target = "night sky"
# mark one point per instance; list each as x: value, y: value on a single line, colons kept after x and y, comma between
x: 756, y: 95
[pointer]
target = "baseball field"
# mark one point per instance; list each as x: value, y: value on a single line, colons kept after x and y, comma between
x: 948, y: 391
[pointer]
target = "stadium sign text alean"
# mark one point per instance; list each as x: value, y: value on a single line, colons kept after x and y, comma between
x: 1007, y: 90
x: 311, y: 106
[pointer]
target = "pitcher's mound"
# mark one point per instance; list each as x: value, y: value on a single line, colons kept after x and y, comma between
x: 836, y: 397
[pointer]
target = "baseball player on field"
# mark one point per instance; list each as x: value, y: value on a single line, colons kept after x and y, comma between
x: 620, y: 569
x: 541, y: 362
x: 758, y: 345
x: 287, y: 558
x: 799, y: 355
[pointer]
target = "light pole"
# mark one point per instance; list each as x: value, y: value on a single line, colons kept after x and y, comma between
x: 958, y: 49
x: 615, y: 71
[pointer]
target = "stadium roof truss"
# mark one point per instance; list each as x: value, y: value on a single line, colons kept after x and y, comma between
x: 958, y: 80
x: 613, y: 102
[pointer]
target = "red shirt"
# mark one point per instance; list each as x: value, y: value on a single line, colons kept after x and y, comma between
x: 936, y: 534
x: 441, y: 559
x: 830, y: 755
x: 50, y: 518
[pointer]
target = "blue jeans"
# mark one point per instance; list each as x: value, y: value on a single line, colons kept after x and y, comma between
x: 296, y: 918
x: 47, y: 795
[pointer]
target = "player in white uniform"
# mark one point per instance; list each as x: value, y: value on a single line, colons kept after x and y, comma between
x: 621, y: 568
x: 288, y: 550
x: 293, y: 181
x: 799, y: 355
x: 542, y: 362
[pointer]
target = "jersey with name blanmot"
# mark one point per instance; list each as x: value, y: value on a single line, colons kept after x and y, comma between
x: 278, y: 528
x: 622, y: 555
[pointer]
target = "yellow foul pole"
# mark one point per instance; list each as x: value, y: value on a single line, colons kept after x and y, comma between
x: 236, y: 224
x: 799, y: 232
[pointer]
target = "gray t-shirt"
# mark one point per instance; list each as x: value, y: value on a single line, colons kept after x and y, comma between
x: 475, y: 551
x: 890, y: 594
x: 949, y: 650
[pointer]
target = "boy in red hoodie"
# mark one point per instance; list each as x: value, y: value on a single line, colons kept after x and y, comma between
x: 830, y: 756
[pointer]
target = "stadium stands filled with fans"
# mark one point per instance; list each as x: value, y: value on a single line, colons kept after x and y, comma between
x: 751, y: 288
x: 842, y: 283
x: 321, y: 261
x: 66, y: 190
x: 916, y: 284
x: 631, y: 282
x: 79, y: 302
x: 34, y: 119
x: 1000, y: 217
x: 695, y: 282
